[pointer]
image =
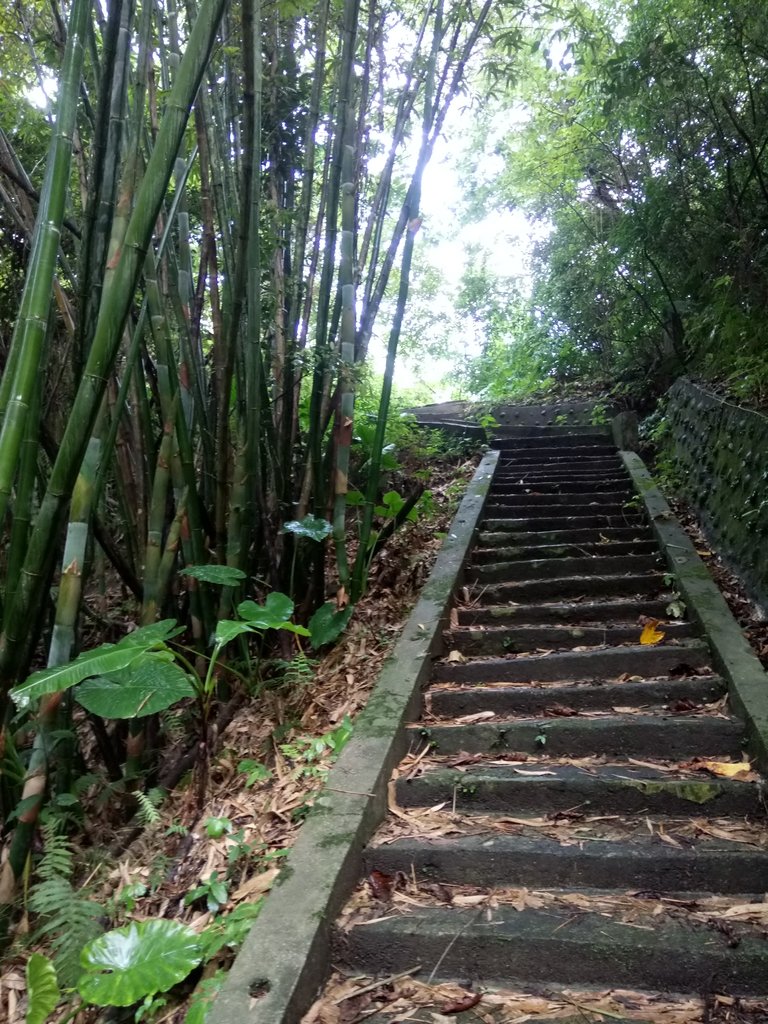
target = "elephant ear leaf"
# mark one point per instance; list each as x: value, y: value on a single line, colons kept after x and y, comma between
x: 328, y: 623
x: 43, y: 992
x: 152, y: 685
x: 128, y: 964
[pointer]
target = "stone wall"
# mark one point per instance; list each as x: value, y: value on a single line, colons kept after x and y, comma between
x: 722, y: 451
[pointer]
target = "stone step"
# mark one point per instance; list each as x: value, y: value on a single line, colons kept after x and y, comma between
x: 604, y: 470
x: 553, y: 432
x: 628, y: 585
x: 498, y: 523
x: 544, y: 786
x: 599, y: 695
x: 534, y: 569
x: 647, y: 661
x: 501, y: 538
x: 540, y: 462
x: 573, y: 613
x: 528, y: 638
x: 617, y: 736
x: 534, y: 448
x: 522, y: 506
x: 557, y: 945
x: 529, y: 496
x: 482, y: 556
x: 638, y: 862
x: 590, y: 486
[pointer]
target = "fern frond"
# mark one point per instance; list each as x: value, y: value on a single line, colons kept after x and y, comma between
x: 147, y: 812
x: 67, y: 920
x: 57, y: 859
x: 64, y: 916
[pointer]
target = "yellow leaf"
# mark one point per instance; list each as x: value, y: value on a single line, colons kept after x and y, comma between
x: 728, y: 769
x: 650, y: 634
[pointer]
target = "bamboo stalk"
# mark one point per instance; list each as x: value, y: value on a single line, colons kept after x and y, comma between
x: 115, y: 306
x: 21, y: 377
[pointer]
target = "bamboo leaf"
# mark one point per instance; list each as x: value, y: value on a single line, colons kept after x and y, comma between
x: 43, y: 991
x: 104, y: 659
x: 128, y: 964
x: 142, y: 689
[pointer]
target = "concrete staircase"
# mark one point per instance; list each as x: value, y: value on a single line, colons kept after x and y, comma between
x: 553, y: 825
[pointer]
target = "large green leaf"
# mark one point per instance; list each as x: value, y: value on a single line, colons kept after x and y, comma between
x: 327, y: 624
x: 228, y: 629
x: 310, y: 526
x: 144, y: 688
x: 125, y: 965
x: 154, y: 633
x: 43, y: 991
x: 104, y: 659
x: 223, y: 575
x: 275, y: 611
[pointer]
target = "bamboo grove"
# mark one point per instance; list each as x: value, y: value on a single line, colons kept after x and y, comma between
x: 200, y: 270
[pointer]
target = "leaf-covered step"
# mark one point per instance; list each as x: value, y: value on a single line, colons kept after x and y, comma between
x: 657, y: 862
x: 533, y: 524
x: 567, y: 946
x: 521, y: 507
x: 597, y: 612
x: 598, y: 548
x: 541, y: 787
x: 535, y: 450
x: 598, y: 485
x: 535, y: 568
x: 627, y: 585
x: 615, y: 736
x: 528, y: 638
x: 557, y: 699
x: 600, y: 469
x: 488, y: 541
x: 532, y: 498
x: 596, y: 664
x: 608, y: 462
x: 552, y: 432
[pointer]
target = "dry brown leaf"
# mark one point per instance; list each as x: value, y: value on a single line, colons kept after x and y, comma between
x: 256, y: 886
x: 455, y: 658
x: 478, y: 716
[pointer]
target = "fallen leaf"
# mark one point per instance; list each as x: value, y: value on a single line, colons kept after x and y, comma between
x: 727, y: 769
x: 256, y: 886
x: 560, y: 711
x: 478, y: 716
x: 381, y: 884
x: 455, y: 658
x: 471, y: 900
x: 650, y: 634
x: 460, y: 1005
